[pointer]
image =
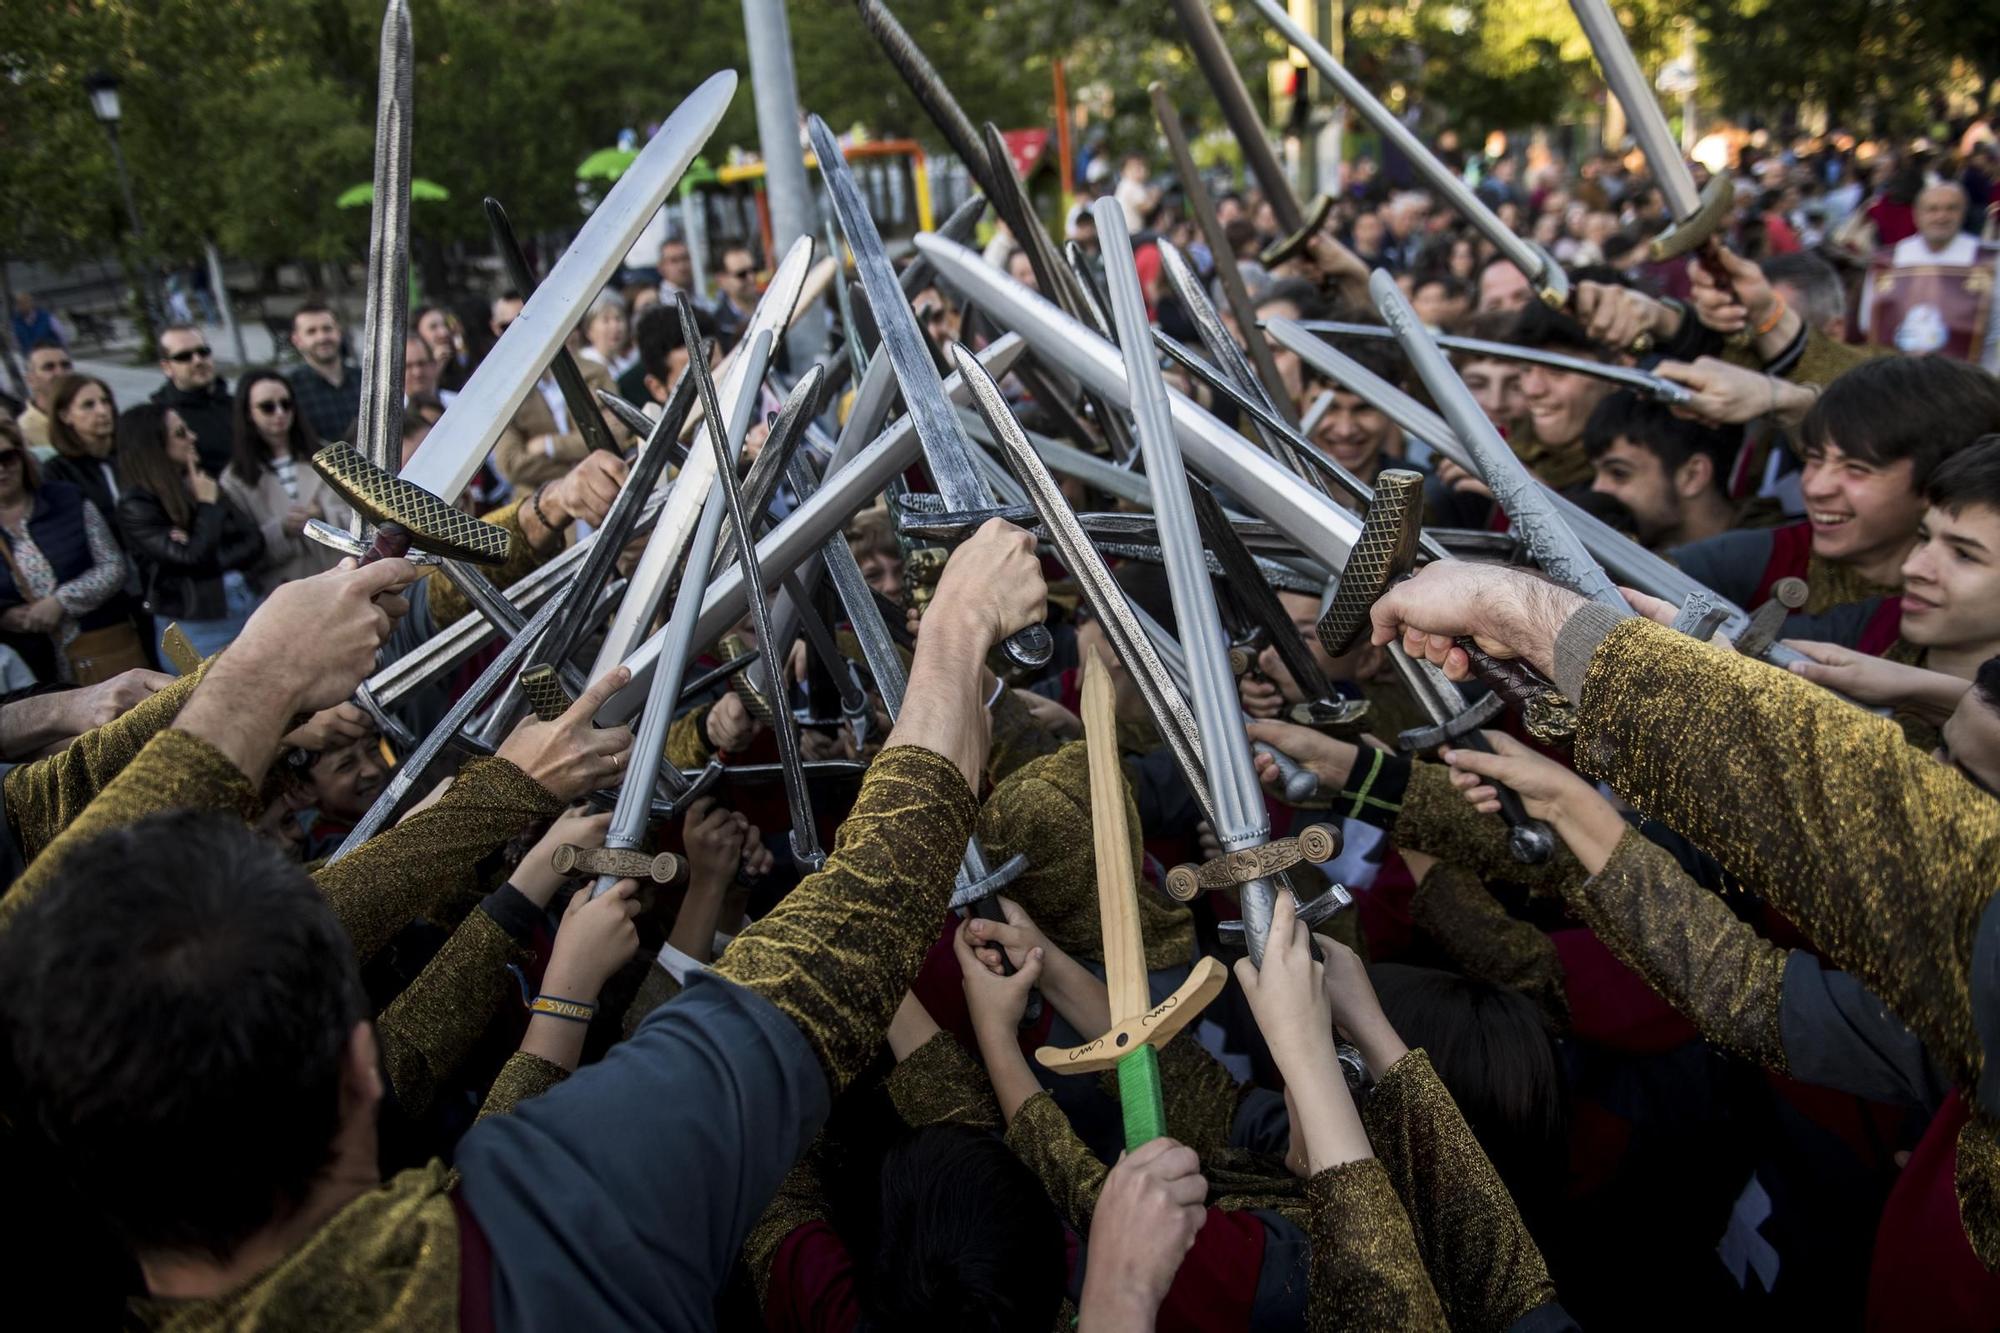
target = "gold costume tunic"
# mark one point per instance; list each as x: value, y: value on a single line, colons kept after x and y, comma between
x: 1765, y: 771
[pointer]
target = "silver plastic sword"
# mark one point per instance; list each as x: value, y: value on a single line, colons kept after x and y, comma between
x: 1542, y: 269
x: 947, y: 453
x: 1655, y: 388
x: 1240, y: 820
x: 634, y: 809
x: 379, y: 433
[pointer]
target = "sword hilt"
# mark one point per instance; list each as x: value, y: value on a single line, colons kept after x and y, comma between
x: 1316, y: 843
x: 423, y: 520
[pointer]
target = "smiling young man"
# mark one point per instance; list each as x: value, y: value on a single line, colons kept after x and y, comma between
x: 1667, y: 470
x: 1871, y: 444
x: 1558, y: 402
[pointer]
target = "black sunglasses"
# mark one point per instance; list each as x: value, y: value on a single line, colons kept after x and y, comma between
x: 191, y: 353
x: 270, y: 407
x: 739, y: 273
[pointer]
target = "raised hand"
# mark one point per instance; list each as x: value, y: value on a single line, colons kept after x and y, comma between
x: 314, y: 640
x: 992, y: 586
x: 729, y: 726
x: 996, y: 1002
x: 571, y: 756
x: 1146, y: 1219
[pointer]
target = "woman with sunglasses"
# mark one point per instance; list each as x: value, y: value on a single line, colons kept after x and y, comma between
x: 83, y: 428
x: 271, y: 478
x: 193, y: 546
x: 61, y: 576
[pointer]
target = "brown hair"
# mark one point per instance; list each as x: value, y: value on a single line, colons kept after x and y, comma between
x: 143, y: 463
x: 31, y: 473
x: 67, y: 388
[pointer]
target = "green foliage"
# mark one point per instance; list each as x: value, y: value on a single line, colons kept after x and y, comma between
x: 244, y: 119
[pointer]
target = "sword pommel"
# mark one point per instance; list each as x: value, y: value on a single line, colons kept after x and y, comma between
x: 432, y: 524
x: 1691, y: 233
x: 1385, y: 551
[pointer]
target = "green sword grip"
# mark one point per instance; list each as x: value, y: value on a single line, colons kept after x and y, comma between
x: 1140, y: 1100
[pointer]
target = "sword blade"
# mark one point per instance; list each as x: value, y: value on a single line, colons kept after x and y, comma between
x: 1659, y: 390
x: 1555, y: 548
x: 1246, y: 125
x: 1531, y: 259
x: 1241, y: 821
x: 465, y: 434
x: 677, y: 522
x: 378, y: 435
x: 947, y: 453
x: 1648, y: 123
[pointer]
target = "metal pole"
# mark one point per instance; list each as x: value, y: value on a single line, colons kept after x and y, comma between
x: 221, y: 292
x: 774, y: 90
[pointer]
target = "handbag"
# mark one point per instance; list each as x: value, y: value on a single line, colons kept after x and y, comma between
x: 94, y: 655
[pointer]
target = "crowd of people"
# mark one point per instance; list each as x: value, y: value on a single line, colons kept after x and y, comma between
x: 1728, y: 1057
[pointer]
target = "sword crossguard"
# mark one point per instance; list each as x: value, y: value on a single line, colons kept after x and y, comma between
x: 179, y: 651
x: 621, y: 863
x: 994, y: 880
x: 1336, y: 717
x: 1155, y: 1028
x: 418, y: 518
x: 1693, y: 232
x: 542, y: 687
x: 1425, y: 740
x: 1316, y: 843
x: 1768, y: 620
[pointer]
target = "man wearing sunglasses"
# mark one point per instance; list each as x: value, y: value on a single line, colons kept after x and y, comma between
x: 48, y: 361
x: 735, y: 292
x: 198, y: 393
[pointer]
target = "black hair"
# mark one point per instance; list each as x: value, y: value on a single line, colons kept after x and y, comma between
x: 1969, y: 477
x: 659, y: 333
x: 1986, y: 683
x: 962, y: 1236
x: 46, y: 344
x: 1493, y: 1053
x: 1894, y: 407
x: 249, y: 455
x: 312, y: 307
x: 1455, y: 287
x: 175, y: 1011
x: 1653, y: 427
x: 1374, y: 354
x: 1301, y: 292
x: 1538, y: 324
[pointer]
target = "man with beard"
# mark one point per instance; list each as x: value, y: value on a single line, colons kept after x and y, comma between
x: 1668, y: 471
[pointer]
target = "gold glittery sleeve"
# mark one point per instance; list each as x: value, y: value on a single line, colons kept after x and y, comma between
x: 1198, y: 1094
x: 1487, y: 1269
x: 427, y: 865
x: 939, y: 1083
x: 1710, y: 965
x: 838, y: 952
x: 522, y: 1077
x: 1976, y: 1180
x: 1017, y: 738
x: 1453, y: 907
x: 1437, y: 820
x: 1823, y: 359
x: 687, y: 739
x: 174, y: 771
x: 1043, y: 811
x: 427, y: 1031
x: 449, y: 604
x: 1042, y: 1136
x: 800, y: 1200
x: 44, y: 796
x: 1756, y: 765
x: 1366, y: 1275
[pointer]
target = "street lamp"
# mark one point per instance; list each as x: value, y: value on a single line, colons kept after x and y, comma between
x: 103, y: 91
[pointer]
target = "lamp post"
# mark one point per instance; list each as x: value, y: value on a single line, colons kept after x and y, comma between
x: 103, y: 90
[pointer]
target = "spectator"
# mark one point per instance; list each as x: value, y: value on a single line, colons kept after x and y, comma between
x: 420, y: 373
x: 441, y: 332
x: 607, y: 335
x: 662, y: 354
x: 190, y: 542
x: 32, y: 322
x: 735, y: 292
x: 541, y: 442
x: 48, y: 362
x: 196, y: 392
x: 1810, y: 286
x: 271, y: 479
x: 328, y: 385
x: 1933, y: 311
x: 1441, y: 301
x: 1668, y: 470
x: 1136, y: 193
x: 676, y: 271
x: 61, y: 576
x: 83, y: 428
x: 1559, y: 402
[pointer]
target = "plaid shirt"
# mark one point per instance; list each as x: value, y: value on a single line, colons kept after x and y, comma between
x: 332, y: 410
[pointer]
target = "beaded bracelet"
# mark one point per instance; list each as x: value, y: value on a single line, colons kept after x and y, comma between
x: 535, y: 503
x: 575, y: 1011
